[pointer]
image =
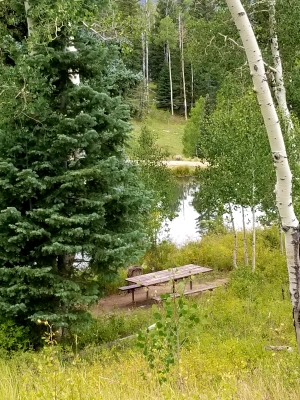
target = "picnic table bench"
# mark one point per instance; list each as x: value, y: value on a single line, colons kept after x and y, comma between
x: 130, y: 288
x: 204, y: 287
x: 169, y: 275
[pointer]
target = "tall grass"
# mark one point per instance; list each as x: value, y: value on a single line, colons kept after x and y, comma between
x: 216, y: 251
x: 225, y: 356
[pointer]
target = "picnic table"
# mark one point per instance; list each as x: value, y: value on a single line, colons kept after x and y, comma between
x: 168, y: 275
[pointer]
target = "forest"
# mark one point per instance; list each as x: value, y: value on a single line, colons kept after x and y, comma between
x: 114, y: 114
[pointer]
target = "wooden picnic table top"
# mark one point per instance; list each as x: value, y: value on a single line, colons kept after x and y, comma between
x: 154, y: 278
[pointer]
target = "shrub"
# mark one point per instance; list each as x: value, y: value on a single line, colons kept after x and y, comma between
x: 13, y: 337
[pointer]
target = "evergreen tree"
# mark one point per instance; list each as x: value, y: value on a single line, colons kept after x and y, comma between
x: 157, y: 178
x: 129, y: 8
x: 65, y: 186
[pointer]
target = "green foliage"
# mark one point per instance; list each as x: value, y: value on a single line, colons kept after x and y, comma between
x: 245, y: 284
x: 232, y: 140
x: 13, y: 337
x: 162, y: 345
x: 163, y: 88
x: 215, y: 251
x: 167, y: 129
x: 192, y: 130
x: 157, y: 178
x: 183, y: 171
x: 108, y: 327
x: 167, y: 32
x: 225, y: 354
x: 66, y: 189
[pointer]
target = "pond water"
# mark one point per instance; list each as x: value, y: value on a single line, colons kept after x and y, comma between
x: 183, y: 228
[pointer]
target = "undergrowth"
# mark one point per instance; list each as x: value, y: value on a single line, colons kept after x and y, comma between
x: 224, y: 355
x: 216, y: 251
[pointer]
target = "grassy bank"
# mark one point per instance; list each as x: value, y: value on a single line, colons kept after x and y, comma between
x: 225, y: 356
x: 167, y: 128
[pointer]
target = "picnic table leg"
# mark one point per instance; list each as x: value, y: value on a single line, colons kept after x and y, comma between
x: 191, y: 283
x: 173, y: 289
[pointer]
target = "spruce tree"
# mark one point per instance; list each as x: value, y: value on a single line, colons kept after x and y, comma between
x: 66, y: 189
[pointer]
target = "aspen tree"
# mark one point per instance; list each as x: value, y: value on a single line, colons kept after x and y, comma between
x: 289, y: 221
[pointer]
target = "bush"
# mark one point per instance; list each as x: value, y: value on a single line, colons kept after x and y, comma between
x: 110, y: 327
x: 13, y: 337
x: 216, y: 251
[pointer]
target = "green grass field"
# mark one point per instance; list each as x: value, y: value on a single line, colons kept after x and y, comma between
x: 167, y: 128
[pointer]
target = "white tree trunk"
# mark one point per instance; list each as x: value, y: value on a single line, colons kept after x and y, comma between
x: 192, y: 86
x: 147, y: 52
x: 235, y: 246
x: 246, y: 260
x: 29, y: 20
x: 144, y: 55
x: 181, y: 34
x: 147, y: 70
x: 253, y: 240
x: 289, y: 221
x: 170, y: 76
x: 279, y: 89
x: 143, y: 94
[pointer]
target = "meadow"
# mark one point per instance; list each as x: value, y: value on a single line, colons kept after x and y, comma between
x: 166, y: 128
x: 224, y: 356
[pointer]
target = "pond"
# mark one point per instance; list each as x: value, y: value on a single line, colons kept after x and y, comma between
x: 183, y: 228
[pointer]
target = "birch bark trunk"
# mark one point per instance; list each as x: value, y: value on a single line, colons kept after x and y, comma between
x: 170, y: 76
x: 279, y: 89
x: 192, y: 86
x: 146, y: 44
x: 283, y: 187
x: 147, y: 70
x: 235, y: 246
x: 143, y: 94
x: 181, y: 31
x: 246, y: 260
x: 29, y: 20
x: 253, y: 240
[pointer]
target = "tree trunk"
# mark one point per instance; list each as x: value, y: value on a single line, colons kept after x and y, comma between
x: 279, y: 87
x: 253, y: 240
x: 147, y: 53
x: 281, y: 240
x: 181, y: 31
x: 192, y: 86
x: 143, y: 94
x: 29, y: 20
x: 246, y: 260
x: 170, y: 76
x: 147, y: 70
x: 235, y: 246
x: 289, y: 221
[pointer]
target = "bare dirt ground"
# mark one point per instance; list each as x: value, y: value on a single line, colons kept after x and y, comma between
x: 123, y: 300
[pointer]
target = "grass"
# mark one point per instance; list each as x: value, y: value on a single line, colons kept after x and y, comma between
x: 169, y: 130
x: 216, y: 251
x: 225, y: 356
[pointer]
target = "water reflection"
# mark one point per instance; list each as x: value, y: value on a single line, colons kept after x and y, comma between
x: 183, y: 228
